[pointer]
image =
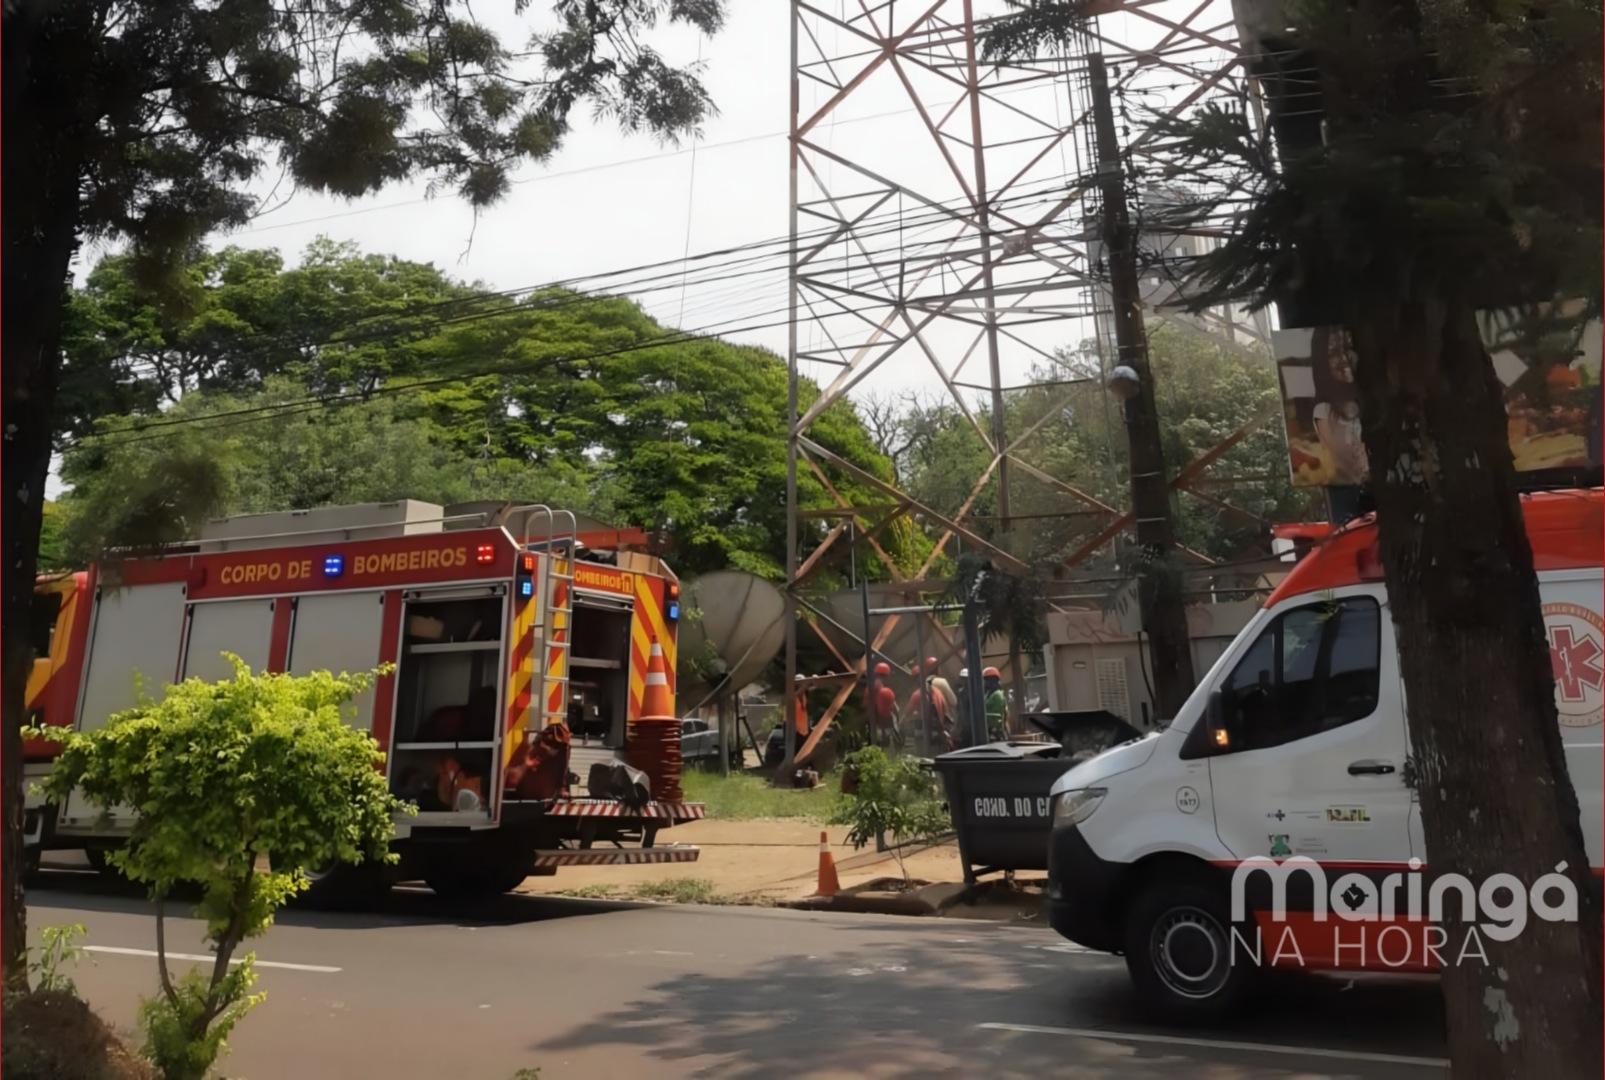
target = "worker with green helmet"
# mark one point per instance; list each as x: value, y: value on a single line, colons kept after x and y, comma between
x: 997, y: 705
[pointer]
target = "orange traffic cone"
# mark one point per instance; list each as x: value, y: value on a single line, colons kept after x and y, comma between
x: 653, y: 743
x: 829, y: 885
x: 655, y: 698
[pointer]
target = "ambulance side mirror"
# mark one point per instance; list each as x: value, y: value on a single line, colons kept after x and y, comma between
x: 1212, y: 734
x: 1222, y: 732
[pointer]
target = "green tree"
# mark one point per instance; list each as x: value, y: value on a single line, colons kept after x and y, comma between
x: 1206, y: 392
x: 1007, y: 605
x: 225, y: 321
x: 53, y: 540
x: 139, y: 489
x: 1444, y: 158
x: 254, y: 767
x: 149, y: 122
x: 592, y: 404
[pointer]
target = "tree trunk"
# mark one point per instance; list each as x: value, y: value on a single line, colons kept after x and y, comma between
x: 1017, y: 685
x: 1162, y: 599
x: 41, y: 128
x: 1493, y: 785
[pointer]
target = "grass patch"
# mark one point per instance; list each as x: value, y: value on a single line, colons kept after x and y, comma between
x: 747, y: 798
x: 678, y: 891
x: 589, y: 892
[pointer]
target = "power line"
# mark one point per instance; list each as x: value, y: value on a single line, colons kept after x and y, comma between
x: 657, y: 275
x: 276, y: 410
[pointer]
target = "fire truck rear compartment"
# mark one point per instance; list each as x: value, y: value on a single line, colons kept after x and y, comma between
x: 448, y: 686
x: 599, y: 676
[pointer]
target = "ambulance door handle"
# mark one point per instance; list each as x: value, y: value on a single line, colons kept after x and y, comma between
x: 1370, y: 768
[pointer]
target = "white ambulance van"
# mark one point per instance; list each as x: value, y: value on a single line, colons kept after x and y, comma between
x: 1294, y: 747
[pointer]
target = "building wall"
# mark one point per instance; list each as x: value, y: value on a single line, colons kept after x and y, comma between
x: 1094, y: 660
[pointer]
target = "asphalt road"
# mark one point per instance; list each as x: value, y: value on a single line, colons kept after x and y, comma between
x: 586, y: 989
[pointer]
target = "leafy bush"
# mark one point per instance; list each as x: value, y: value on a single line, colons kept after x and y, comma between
x: 58, y: 946
x: 187, y: 1026
x: 893, y: 796
x: 224, y: 774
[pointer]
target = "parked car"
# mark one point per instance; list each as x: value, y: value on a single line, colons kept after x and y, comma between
x: 699, y: 742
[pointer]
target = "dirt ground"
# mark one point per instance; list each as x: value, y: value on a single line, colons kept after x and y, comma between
x: 754, y: 862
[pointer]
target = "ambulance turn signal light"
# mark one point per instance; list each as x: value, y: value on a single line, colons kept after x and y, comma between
x: 1223, y: 737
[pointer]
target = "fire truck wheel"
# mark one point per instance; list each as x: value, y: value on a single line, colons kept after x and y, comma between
x: 344, y: 887
x: 1179, y: 951
x: 476, y: 879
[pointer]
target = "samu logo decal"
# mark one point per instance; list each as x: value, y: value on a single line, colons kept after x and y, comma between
x: 1577, y: 655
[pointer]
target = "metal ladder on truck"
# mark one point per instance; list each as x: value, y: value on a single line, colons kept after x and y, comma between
x: 555, y: 621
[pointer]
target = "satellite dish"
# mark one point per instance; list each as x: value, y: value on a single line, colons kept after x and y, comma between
x: 739, y: 628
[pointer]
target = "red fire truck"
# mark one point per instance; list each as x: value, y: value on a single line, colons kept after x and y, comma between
x: 499, y: 620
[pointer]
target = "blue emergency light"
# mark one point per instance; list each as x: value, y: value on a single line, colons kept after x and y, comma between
x: 334, y: 565
x: 674, y: 610
x: 524, y: 575
x: 526, y: 588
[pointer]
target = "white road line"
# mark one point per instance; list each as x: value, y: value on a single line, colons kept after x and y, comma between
x: 115, y: 950
x: 1222, y: 1044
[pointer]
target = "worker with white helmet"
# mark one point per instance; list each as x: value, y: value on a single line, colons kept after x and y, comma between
x: 963, y: 715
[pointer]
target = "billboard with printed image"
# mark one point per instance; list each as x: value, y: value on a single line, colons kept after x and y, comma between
x: 1552, y: 397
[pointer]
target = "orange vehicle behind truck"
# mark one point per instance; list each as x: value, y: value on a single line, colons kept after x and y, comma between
x: 502, y: 623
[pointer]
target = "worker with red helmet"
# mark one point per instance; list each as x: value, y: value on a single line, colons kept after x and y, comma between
x: 935, y: 703
x: 883, y: 706
x: 943, y: 689
x: 997, y: 705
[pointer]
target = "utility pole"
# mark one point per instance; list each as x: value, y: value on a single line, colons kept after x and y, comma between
x: 788, y: 694
x: 983, y: 218
x: 1160, y: 593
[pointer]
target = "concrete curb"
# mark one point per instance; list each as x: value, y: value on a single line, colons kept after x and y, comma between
x: 866, y: 900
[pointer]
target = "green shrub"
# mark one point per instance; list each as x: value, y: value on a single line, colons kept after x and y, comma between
x: 58, y: 946
x: 895, y: 797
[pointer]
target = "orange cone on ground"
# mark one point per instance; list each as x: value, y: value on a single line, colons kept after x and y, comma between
x: 829, y: 885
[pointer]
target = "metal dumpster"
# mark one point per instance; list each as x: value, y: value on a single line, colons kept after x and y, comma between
x: 1083, y: 733
x: 997, y: 793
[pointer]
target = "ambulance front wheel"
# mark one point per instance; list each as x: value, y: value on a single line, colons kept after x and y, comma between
x: 1180, y: 951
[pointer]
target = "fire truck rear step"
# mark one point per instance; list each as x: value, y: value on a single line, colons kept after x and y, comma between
x: 616, y: 856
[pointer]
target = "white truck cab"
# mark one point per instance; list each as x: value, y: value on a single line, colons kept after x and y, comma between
x: 1294, y: 746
